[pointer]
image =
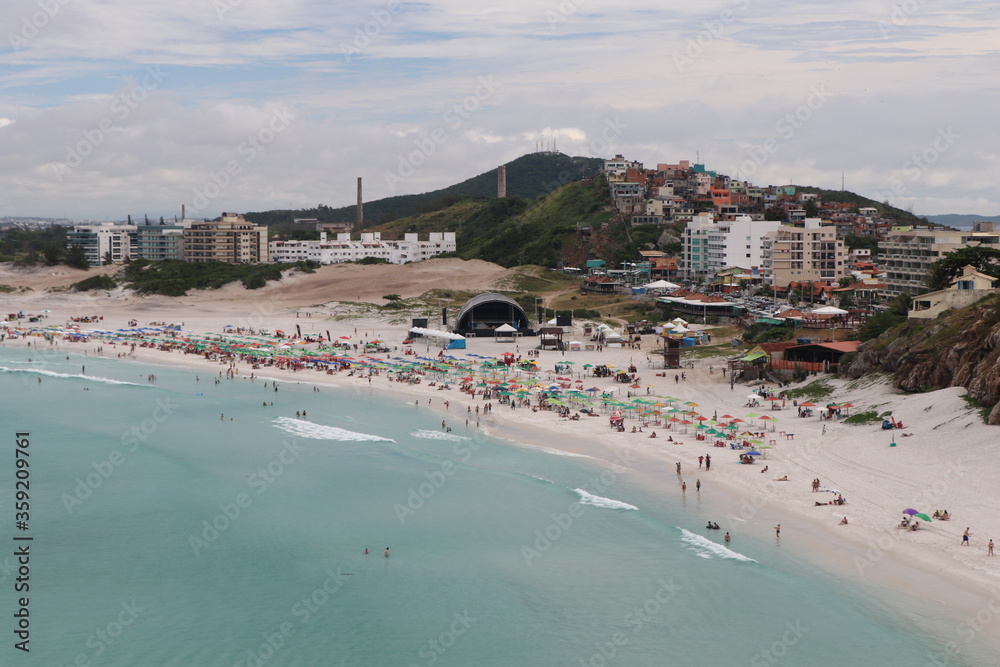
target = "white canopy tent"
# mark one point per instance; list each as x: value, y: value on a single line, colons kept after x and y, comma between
x: 662, y: 285
x: 828, y: 310
x: 505, y: 333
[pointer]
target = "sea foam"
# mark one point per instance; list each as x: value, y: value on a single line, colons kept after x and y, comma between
x: 600, y: 501
x: 53, y: 374
x: 438, y: 435
x: 558, y: 452
x: 706, y: 548
x: 308, y: 429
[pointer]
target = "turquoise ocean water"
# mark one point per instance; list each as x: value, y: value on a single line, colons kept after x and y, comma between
x: 164, y: 535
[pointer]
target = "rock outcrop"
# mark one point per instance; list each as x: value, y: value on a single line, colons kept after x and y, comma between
x: 960, y: 349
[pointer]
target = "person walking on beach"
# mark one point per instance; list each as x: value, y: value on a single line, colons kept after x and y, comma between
x: 965, y: 538
x: 777, y: 530
x: 701, y: 459
x: 678, y: 467
x: 708, y: 461
x: 697, y: 485
x: 989, y: 548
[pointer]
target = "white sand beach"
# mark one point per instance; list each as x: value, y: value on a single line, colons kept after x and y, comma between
x: 947, y: 463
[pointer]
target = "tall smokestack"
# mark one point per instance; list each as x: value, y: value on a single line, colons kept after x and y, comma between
x: 182, y: 212
x: 501, y: 181
x: 361, y: 209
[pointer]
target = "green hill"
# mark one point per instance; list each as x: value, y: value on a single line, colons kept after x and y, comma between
x: 514, y: 231
x: 528, y: 176
x: 897, y: 215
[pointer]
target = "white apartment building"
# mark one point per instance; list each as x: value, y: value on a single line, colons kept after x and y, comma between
x: 344, y: 249
x: 99, y: 240
x: 738, y: 243
x: 694, y: 246
x: 709, y: 246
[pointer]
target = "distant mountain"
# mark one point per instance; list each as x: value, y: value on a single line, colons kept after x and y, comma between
x: 962, y: 221
x: 528, y: 176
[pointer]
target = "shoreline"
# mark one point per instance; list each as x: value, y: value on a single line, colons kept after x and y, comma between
x: 891, y: 560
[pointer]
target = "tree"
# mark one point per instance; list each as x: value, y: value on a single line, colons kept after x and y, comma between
x: 945, y: 270
x: 77, y: 258
x: 812, y: 209
x: 108, y: 258
x: 392, y: 298
x: 53, y: 253
x: 774, y: 212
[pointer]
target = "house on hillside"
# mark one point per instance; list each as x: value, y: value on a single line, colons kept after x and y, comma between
x: 965, y: 290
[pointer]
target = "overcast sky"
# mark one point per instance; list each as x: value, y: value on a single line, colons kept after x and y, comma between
x: 115, y: 107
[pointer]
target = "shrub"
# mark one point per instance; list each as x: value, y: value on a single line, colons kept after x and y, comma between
x: 95, y: 282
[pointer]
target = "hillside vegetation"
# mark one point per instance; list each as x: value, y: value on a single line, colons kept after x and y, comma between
x: 514, y: 231
x: 528, y: 176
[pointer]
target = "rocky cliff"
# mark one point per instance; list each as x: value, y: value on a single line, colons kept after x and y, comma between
x: 961, y: 348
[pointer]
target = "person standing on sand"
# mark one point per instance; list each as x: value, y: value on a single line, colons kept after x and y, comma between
x: 989, y: 548
x: 701, y: 459
x: 965, y: 538
x: 708, y: 461
x: 777, y: 530
x: 697, y: 485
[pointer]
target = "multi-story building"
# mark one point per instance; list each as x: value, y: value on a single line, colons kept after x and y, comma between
x: 737, y: 243
x: 797, y: 254
x: 906, y: 256
x: 103, y: 242
x: 158, y: 242
x: 343, y: 249
x: 694, y: 246
x: 232, y: 240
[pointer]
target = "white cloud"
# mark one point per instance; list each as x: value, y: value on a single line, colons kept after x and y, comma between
x: 366, y: 83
